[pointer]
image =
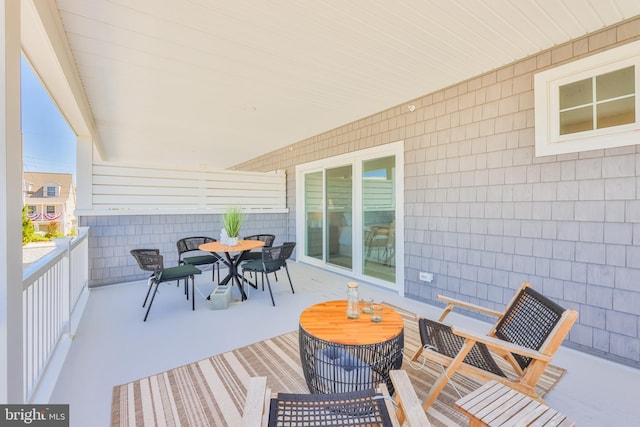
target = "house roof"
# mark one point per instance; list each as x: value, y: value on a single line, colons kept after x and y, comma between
x: 39, y: 180
x: 215, y: 83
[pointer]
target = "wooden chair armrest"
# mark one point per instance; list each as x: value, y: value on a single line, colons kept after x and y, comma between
x: 499, y: 344
x: 255, y: 412
x: 389, y: 404
x: 451, y: 303
x: 409, y: 406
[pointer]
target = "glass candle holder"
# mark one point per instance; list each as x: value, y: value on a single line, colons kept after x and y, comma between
x: 366, y: 305
x: 376, y: 313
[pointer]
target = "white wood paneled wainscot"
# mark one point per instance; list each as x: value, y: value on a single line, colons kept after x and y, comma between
x: 123, y: 189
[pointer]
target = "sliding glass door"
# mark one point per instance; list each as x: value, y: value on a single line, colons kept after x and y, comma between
x: 339, y: 208
x: 314, y: 214
x: 379, y: 218
x: 351, y: 216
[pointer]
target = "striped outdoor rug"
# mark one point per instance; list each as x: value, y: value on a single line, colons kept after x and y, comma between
x: 212, y: 392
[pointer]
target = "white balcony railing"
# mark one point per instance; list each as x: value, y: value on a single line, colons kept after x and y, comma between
x: 54, y: 294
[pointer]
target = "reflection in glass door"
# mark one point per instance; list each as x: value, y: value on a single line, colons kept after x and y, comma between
x: 339, y: 206
x: 379, y: 218
x: 313, y: 208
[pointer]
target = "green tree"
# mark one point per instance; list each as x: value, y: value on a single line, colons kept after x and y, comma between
x: 28, y: 230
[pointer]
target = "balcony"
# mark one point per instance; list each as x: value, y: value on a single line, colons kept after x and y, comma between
x: 112, y: 345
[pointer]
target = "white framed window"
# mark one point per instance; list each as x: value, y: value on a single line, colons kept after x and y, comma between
x: 51, y: 210
x: 52, y: 191
x: 589, y: 104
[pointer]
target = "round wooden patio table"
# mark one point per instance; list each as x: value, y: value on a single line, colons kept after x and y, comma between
x: 339, y: 354
x: 243, y: 246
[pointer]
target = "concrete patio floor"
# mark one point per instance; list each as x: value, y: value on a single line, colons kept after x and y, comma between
x: 114, y: 346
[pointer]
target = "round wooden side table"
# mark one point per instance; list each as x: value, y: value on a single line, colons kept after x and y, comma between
x: 340, y: 355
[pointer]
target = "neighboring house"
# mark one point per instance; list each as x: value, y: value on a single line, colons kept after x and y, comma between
x: 50, y: 198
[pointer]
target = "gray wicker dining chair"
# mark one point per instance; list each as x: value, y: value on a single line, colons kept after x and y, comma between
x: 357, y: 408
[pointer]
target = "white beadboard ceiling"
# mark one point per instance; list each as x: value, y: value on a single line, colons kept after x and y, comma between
x: 213, y: 83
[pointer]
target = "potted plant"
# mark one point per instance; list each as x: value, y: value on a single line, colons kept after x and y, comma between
x: 233, y: 220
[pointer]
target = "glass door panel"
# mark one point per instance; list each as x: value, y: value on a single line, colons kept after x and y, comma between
x: 379, y: 218
x: 313, y: 208
x: 347, y: 211
x: 339, y: 206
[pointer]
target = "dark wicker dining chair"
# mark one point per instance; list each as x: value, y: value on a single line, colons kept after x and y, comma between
x: 151, y: 260
x: 190, y: 246
x: 256, y: 255
x: 273, y: 259
x: 268, y: 240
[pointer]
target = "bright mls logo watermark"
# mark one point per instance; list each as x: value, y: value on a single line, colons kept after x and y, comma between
x: 34, y: 415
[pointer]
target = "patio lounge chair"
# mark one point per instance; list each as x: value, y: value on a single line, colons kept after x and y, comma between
x: 370, y: 408
x: 527, y: 335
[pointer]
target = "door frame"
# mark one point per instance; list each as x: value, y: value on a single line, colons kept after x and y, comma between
x: 355, y: 158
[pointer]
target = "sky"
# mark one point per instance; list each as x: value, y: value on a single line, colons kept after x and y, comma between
x: 49, y: 144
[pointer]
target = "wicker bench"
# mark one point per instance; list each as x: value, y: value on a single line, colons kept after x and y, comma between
x: 495, y: 404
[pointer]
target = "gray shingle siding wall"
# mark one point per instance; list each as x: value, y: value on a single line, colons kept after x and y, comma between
x: 581, y: 251
x: 112, y: 237
x: 484, y: 214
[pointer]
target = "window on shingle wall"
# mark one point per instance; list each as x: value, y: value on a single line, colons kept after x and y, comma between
x: 589, y: 104
x: 52, y: 191
x: 51, y: 210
